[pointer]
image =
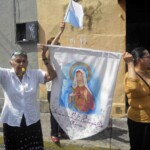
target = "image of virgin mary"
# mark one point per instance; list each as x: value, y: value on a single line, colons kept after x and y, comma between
x: 81, y: 97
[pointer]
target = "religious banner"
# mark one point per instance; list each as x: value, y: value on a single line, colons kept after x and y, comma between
x: 82, y: 93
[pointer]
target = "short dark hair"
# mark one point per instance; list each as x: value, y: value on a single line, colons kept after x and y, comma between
x: 138, y: 52
x: 50, y: 40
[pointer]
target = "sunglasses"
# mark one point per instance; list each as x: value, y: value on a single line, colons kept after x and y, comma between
x: 17, y: 53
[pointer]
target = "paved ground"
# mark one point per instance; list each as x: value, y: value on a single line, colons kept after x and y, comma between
x: 114, y: 137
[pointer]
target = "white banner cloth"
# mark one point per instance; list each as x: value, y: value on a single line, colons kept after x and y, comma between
x: 82, y: 93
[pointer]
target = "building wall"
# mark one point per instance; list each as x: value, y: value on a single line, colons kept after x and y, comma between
x: 104, y: 29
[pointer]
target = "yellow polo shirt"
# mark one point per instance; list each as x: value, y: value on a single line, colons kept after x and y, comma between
x: 138, y: 94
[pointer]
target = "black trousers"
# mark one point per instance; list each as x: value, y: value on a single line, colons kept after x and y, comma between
x: 24, y: 137
x: 139, y: 135
x: 55, y: 128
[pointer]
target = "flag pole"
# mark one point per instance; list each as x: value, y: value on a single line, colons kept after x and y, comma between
x: 67, y: 10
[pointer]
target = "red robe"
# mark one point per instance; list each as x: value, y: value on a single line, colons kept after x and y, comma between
x: 84, y: 100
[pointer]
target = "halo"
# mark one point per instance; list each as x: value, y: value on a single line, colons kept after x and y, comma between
x: 79, y: 65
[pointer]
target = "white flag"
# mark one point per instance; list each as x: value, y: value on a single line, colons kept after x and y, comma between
x: 82, y: 93
x: 74, y: 14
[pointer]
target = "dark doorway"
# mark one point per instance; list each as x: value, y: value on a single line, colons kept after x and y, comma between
x: 137, y: 24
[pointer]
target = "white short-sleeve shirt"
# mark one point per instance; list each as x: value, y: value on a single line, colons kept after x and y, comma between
x: 20, y: 96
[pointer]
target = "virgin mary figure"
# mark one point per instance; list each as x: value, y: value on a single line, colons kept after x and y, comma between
x: 81, y: 96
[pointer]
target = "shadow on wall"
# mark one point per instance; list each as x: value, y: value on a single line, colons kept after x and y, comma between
x: 92, y: 12
x: 122, y: 4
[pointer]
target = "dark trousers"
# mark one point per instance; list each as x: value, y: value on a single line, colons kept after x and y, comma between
x: 55, y: 128
x: 23, y: 137
x: 139, y: 135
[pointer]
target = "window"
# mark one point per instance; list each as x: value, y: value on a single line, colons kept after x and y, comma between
x: 27, y: 32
